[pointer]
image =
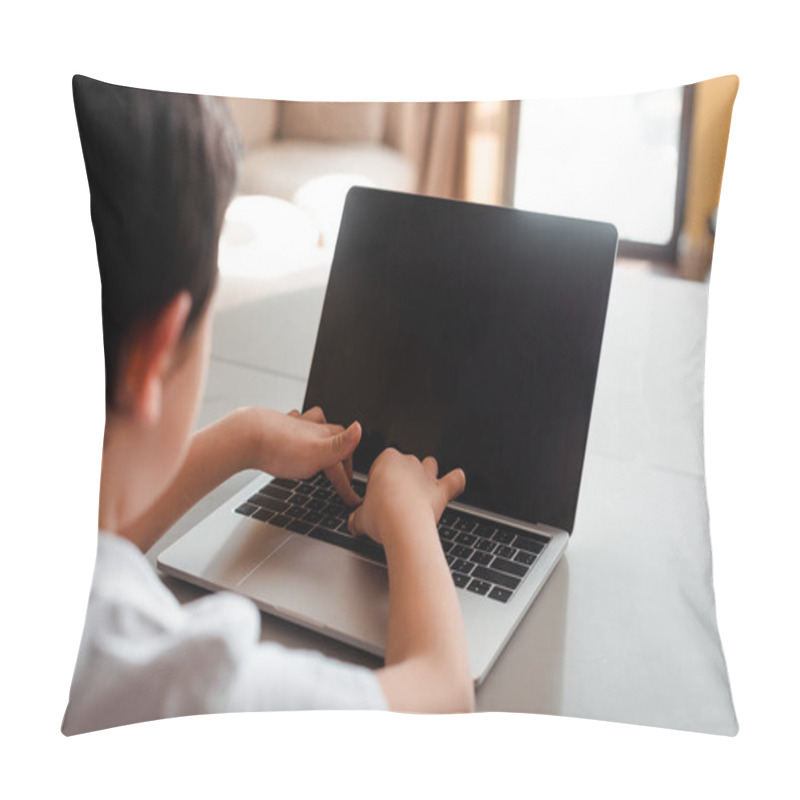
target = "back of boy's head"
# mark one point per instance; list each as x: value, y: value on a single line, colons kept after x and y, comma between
x: 162, y: 168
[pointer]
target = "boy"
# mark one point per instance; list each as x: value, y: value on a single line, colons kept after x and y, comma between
x: 161, y: 169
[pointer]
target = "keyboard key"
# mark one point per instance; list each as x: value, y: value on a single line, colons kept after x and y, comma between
x: 247, y: 509
x: 531, y: 545
x: 479, y: 587
x: 465, y: 538
x: 312, y: 516
x: 465, y: 524
x: 298, y: 500
x: 332, y: 523
x: 323, y: 493
x: 332, y: 538
x: 315, y: 504
x: 460, y: 580
x: 500, y: 594
x: 342, y: 515
x: 448, y: 517
x: 479, y: 557
x: 338, y: 510
x: 485, y: 530
x: 284, y: 483
x: 369, y: 549
x: 524, y: 557
x: 536, y: 537
x: 504, y: 551
x: 294, y: 512
x: 510, y: 567
x: 451, y: 559
x: 446, y: 546
x: 271, y: 503
x: 298, y: 526
x: 271, y: 490
x: 263, y: 515
x: 485, y: 545
x: 504, y: 536
x: 461, y: 551
x: 363, y: 546
x: 304, y: 488
x: 447, y: 533
x: 281, y: 521
x: 337, y: 504
x: 459, y: 565
x: 491, y: 575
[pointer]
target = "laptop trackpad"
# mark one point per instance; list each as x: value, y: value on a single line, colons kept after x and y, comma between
x: 324, y: 587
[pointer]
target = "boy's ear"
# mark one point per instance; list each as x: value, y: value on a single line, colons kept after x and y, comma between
x: 150, y: 353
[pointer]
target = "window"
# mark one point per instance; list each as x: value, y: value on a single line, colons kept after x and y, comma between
x: 617, y: 159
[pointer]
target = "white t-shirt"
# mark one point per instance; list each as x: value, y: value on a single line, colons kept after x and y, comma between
x: 145, y: 656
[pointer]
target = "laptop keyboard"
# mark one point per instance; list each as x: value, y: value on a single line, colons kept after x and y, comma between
x: 485, y: 558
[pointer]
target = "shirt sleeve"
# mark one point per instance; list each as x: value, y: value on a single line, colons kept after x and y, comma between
x: 270, y: 677
x: 278, y: 679
x: 143, y: 656
x: 242, y: 674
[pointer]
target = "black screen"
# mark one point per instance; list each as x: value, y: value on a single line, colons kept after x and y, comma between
x: 471, y: 333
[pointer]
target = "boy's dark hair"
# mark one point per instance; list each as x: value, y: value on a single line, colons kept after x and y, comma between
x: 162, y: 168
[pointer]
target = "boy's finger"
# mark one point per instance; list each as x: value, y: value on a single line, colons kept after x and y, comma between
x: 354, y: 523
x: 315, y: 415
x: 336, y: 475
x: 348, y: 467
x: 294, y: 413
x: 431, y: 466
x: 453, y: 483
x: 344, y: 442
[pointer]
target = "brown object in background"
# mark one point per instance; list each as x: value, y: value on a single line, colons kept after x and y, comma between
x: 713, y: 107
x: 333, y: 121
x: 257, y: 120
x: 459, y: 148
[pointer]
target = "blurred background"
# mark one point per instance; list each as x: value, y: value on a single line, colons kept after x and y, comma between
x: 649, y: 163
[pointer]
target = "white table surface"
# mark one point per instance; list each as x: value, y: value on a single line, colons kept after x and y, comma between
x: 625, y: 629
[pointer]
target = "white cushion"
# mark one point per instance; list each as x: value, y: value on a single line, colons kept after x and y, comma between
x: 317, y: 175
x: 323, y: 199
x: 264, y: 237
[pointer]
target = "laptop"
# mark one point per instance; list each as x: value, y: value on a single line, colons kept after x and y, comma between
x: 464, y: 331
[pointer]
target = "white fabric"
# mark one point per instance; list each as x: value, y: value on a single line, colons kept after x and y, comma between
x: 282, y: 167
x: 144, y: 656
x: 323, y: 199
x: 266, y: 237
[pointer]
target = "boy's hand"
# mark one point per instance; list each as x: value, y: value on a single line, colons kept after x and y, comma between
x: 399, y: 487
x: 296, y: 445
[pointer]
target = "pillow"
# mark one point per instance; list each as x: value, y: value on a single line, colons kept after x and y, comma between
x: 625, y: 628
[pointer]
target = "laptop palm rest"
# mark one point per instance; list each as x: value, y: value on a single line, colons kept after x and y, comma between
x: 324, y: 587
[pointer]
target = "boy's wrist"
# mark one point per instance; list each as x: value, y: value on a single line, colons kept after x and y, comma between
x: 242, y: 437
x: 407, y: 526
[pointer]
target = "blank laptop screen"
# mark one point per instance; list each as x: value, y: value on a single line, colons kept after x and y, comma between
x: 471, y: 333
